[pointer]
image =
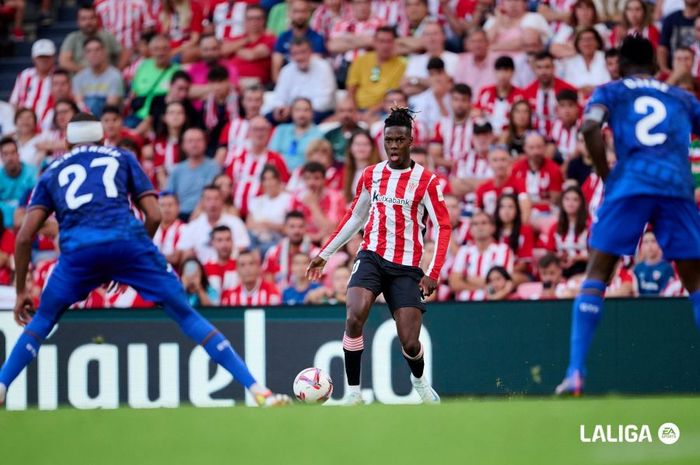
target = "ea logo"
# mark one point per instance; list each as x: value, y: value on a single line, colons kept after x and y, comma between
x: 669, y: 433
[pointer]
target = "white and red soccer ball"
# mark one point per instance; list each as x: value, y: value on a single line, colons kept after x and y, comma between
x: 313, y: 386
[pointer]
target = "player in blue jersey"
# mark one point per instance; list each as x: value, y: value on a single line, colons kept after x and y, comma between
x: 651, y: 182
x: 89, y: 189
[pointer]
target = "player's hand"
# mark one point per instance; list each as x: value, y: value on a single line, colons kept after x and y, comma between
x: 427, y: 286
x: 24, y: 307
x: 315, y: 269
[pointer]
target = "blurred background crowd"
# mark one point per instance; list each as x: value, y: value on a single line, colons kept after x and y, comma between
x: 254, y: 120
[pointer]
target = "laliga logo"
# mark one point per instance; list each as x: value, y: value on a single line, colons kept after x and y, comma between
x: 668, y: 433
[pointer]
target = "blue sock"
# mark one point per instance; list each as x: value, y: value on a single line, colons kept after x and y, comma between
x: 26, y: 348
x: 586, y: 313
x: 695, y: 300
x: 217, y: 346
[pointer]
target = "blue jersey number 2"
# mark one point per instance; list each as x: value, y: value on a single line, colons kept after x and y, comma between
x: 75, y: 175
x: 651, y: 119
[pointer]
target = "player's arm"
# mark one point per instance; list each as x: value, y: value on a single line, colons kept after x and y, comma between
x: 592, y: 130
x: 355, y: 217
x: 148, y: 204
x: 31, y: 225
x: 437, y: 210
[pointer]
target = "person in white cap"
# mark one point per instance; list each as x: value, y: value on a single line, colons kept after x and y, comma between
x: 33, y: 85
x: 91, y: 190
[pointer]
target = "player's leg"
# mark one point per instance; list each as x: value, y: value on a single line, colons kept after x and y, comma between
x: 363, y: 288
x: 615, y: 233
x: 70, y: 282
x: 146, y: 271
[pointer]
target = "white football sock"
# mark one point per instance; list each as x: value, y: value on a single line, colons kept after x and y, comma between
x: 355, y: 389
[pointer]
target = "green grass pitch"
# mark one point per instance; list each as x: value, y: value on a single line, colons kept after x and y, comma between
x: 460, y: 431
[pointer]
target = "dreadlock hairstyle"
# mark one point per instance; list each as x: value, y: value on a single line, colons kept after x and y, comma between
x: 400, y: 116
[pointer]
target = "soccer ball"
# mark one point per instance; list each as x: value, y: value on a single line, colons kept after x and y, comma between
x: 313, y: 386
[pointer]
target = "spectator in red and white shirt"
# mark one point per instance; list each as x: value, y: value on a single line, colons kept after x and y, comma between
x: 362, y: 152
x: 220, y: 106
x: 247, y: 165
x: 519, y: 236
x: 167, y: 237
x: 568, y: 237
x: 473, y: 262
x: 565, y: 129
x: 321, y: 151
x: 278, y: 260
x: 251, y: 52
x: 164, y: 153
x: 234, y: 136
x: 327, y: 15
x: 542, y: 178
x: 221, y: 272
x: 542, y: 93
x: 61, y: 89
x: 395, y: 12
x: 452, y: 136
x: 322, y: 207
x: 253, y: 290
x: 228, y: 19
x: 636, y: 20
x: 354, y: 36
x: 126, y: 20
x: 33, y: 85
x: 495, y: 101
x: 488, y: 192
x: 519, y: 125
x: 7, y: 251
x: 114, y: 129
x: 593, y: 192
x: 181, y: 21
x: 471, y: 170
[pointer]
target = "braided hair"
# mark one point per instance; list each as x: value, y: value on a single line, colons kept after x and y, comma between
x: 400, y: 116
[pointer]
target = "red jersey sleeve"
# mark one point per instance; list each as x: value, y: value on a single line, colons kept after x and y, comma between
x: 439, y: 215
x: 551, y: 244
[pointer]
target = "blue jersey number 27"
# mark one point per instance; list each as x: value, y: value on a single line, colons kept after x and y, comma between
x: 75, y: 175
x: 651, y: 119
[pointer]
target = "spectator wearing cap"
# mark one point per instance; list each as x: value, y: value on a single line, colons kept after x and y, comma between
x: 475, y: 67
x: 251, y: 52
x: 16, y: 179
x: 33, y: 85
x: 72, y: 56
x: 99, y: 83
x: 196, y: 237
x: 210, y: 56
x: 188, y: 178
x: 452, y: 136
x: 473, y: 168
x: 415, y: 79
x: 494, y: 101
x: 306, y: 75
x: 346, y: 115
x: 505, y: 29
x: 374, y: 73
x: 169, y: 232
x: 541, y: 94
x: 299, y: 16
x: 586, y: 70
x: 291, y: 139
x: 152, y: 78
x: 434, y: 103
x: 565, y: 130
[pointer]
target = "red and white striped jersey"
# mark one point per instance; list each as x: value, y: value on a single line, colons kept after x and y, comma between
x: 496, y: 108
x: 471, y: 262
x: 487, y: 193
x: 228, y: 18
x: 420, y: 135
x: 222, y: 276
x: 125, y: 19
x: 392, y: 12
x: 245, y: 171
x: 167, y: 238
x: 539, y: 184
x: 472, y: 166
x: 593, y: 189
x: 570, y: 244
x: 455, y: 138
x: 544, y: 103
x: 166, y: 153
x: 264, y: 293
x: 127, y: 297
x: 234, y: 137
x: 32, y: 91
x: 565, y: 138
x: 526, y: 244
x: 324, y: 19
x: 352, y: 27
x: 278, y: 260
x: 393, y: 206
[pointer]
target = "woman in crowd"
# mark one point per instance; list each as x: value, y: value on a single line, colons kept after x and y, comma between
x: 499, y: 284
x: 587, y: 69
x: 181, y: 20
x: 519, y: 237
x: 55, y: 145
x: 165, y: 151
x: 27, y: 138
x: 636, y: 20
x: 568, y: 237
x: 267, y: 211
x: 519, y: 123
x: 584, y: 15
x: 196, y: 285
x: 362, y: 152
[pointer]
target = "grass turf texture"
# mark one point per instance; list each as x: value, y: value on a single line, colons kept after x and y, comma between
x: 461, y: 431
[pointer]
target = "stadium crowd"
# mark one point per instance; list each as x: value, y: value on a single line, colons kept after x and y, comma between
x: 255, y: 119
